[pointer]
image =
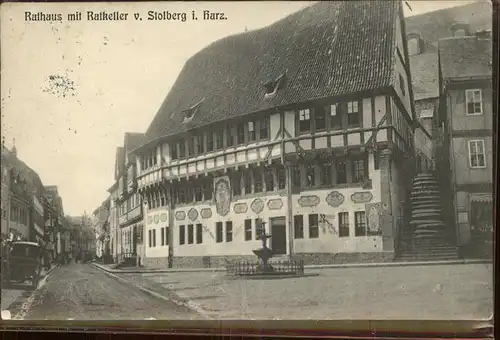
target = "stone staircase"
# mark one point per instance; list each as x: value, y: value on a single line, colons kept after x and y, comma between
x: 426, y: 237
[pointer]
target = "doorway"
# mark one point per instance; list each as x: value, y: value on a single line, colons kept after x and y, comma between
x: 278, y: 235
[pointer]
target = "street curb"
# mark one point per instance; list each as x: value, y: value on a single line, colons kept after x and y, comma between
x: 178, y: 300
x: 314, y: 266
x: 31, y: 298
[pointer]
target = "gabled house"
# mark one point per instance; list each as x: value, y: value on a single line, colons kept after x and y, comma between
x: 305, y: 128
x: 466, y: 154
x: 423, y: 33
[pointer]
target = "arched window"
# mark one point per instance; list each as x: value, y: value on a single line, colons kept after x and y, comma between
x: 413, y: 45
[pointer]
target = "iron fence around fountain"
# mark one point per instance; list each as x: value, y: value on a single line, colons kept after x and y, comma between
x: 249, y: 268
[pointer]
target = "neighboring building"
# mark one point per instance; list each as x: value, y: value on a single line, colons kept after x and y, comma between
x: 114, y: 226
x: 423, y: 33
x: 466, y: 117
x: 101, y: 228
x: 25, y: 194
x: 82, y: 235
x: 130, y: 218
x: 55, y: 223
x: 307, y: 125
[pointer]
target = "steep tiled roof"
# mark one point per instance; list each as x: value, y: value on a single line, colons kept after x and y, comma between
x: 327, y: 49
x: 424, y: 75
x: 436, y: 25
x: 133, y: 140
x: 25, y: 172
x: 119, y: 160
x: 465, y: 57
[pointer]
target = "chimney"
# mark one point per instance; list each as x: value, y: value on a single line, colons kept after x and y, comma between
x: 483, y: 34
x: 14, y: 149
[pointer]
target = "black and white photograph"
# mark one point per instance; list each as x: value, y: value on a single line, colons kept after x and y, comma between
x: 324, y: 160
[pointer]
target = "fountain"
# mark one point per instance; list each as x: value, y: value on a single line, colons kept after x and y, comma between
x: 263, y: 268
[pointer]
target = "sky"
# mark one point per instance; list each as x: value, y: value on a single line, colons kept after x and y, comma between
x: 71, y: 89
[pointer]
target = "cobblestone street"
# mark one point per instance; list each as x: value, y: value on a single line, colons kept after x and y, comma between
x: 82, y: 292
x: 413, y: 292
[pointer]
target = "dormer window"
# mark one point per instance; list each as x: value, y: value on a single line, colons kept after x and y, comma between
x: 272, y: 87
x: 189, y: 113
x: 414, y: 47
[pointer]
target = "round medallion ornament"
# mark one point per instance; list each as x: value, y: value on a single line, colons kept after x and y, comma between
x: 257, y: 205
x: 335, y: 199
x: 193, y: 214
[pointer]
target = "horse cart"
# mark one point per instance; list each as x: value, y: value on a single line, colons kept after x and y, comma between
x: 22, y: 261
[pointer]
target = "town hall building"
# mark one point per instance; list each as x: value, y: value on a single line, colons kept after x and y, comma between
x: 306, y: 128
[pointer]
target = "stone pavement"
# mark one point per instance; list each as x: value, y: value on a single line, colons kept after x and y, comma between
x: 13, y: 293
x: 455, y: 292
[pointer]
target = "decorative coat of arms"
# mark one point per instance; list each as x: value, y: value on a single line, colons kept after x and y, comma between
x: 163, y: 217
x: 222, y: 195
x: 373, y: 217
x: 206, y: 213
x: 192, y: 214
x: 335, y: 199
x: 309, y: 201
x: 150, y: 219
x: 240, y: 208
x: 156, y: 219
x: 275, y: 204
x: 362, y: 197
x: 180, y: 215
x: 257, y: 205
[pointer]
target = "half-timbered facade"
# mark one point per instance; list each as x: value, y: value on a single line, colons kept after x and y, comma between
x: 307, y: 125
x: 129, y: 206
